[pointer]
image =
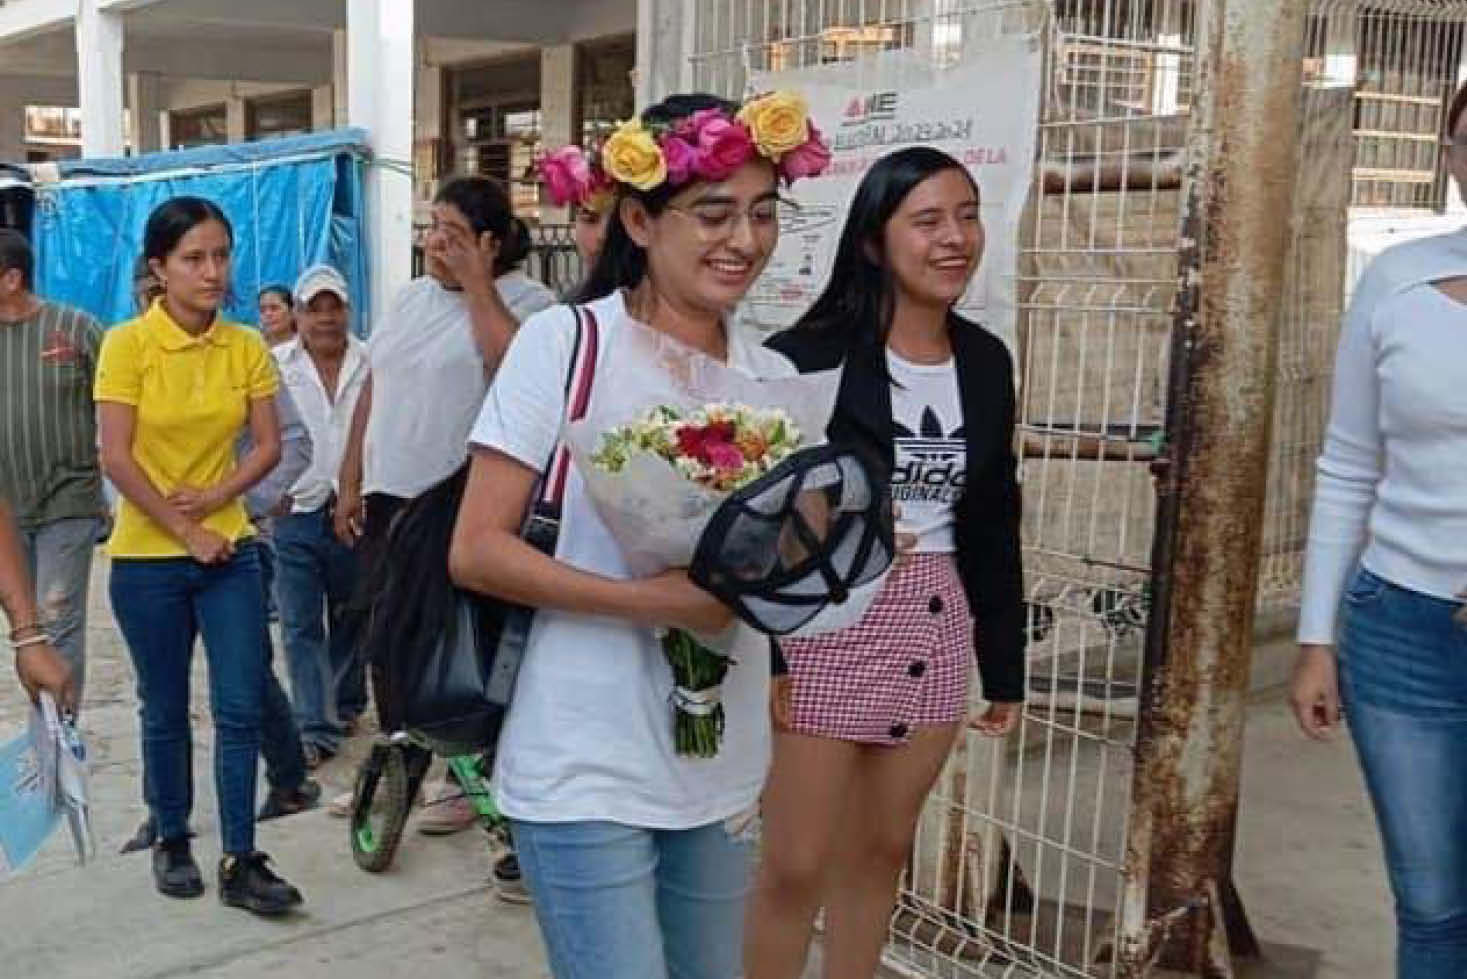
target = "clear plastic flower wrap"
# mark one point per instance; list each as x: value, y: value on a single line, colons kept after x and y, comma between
x: 657, y: 510
x: 670, y: 434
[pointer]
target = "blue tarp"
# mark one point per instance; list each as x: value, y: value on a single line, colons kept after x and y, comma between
x: 293, y: 202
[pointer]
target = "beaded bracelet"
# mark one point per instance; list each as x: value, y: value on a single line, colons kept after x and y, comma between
x: 28, y: 627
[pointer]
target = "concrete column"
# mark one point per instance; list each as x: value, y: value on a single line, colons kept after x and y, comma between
x: 99, y: 79
x: 665, y: 41
x: 338, y: 76
x: 427, y: 130
x: 236, y: 125
x: 12, y: 125
x: 559, y: 115
x: 380, y: 74
x: 145, y: 99
x: 323, y: 108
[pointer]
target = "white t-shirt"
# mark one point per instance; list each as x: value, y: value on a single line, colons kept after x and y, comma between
x: 428, y: 382
x: 931, y: 451
x: 589, y: 732
x: 1393, y: 475
x: 327, y: 418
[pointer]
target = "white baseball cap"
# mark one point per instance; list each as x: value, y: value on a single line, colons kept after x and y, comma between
x: 318, y: 279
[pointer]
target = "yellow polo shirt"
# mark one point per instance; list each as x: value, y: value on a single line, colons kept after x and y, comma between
x: 192, y: 397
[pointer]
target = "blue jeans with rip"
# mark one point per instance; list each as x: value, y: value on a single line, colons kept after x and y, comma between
x: 60, y: 557
x: 1403, y: 678
x: 162, y: 605
x: 619, y: 902
x: 315, y: 581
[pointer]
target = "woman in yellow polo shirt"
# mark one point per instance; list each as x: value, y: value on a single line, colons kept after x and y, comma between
x: 174, y: 388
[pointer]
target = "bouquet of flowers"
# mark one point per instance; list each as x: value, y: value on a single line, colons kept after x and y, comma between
x: 671, y: 433
x: 721, y: 448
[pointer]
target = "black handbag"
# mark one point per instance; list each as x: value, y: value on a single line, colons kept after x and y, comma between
x: 450, y: 657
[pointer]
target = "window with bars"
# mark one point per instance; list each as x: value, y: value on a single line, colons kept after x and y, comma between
x: 1406, y: 71
x: 497, y: 130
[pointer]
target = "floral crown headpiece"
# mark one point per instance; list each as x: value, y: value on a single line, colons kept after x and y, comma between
x: 708, y: 145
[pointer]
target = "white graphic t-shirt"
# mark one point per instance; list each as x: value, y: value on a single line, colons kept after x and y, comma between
x: 931, y: 451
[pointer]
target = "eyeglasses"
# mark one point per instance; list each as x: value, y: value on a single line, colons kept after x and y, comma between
x: 716, y: 221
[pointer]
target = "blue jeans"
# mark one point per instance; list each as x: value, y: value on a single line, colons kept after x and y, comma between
x: 280, y: 740
x: 617, y: 902
x: 60, y: 558
x: 162, y: 606
x: 1403, y: 678
x: 314, y: 588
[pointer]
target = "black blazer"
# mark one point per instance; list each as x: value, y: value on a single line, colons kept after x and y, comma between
x: 987, y: 518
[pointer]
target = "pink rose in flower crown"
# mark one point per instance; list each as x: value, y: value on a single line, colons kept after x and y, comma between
x: 681, y: 157
x: 567, y: 175
x: 723, y: 145
x: 806, y: 160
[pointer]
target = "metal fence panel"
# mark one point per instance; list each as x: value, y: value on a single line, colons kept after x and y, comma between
x: 1021, y: 851
x: 1018, y: 864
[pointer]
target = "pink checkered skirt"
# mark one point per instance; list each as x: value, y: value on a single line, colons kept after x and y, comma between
x: 904, y: 666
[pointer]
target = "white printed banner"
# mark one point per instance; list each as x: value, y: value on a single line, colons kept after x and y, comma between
x: 984, y: 112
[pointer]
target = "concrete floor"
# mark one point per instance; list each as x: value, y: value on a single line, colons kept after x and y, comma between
x: 1308, y: 869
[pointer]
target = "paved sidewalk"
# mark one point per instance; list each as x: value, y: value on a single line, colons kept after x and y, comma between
x: 1308, y: 869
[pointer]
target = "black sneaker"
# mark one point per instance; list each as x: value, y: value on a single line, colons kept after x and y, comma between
x: 509, y: 885
x: 175, y: 873
x: 246, y: 881
x: 288, y: 802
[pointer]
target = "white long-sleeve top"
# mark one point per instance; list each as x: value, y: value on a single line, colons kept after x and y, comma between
x: 1391, y: 493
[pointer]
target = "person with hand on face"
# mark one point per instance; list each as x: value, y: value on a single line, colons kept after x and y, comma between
x: 277, y: 315
x: 432, y: 357
x: 873, y: 710
x: 38, y: 665
x: 324, y: 370
x: 175, y: 386
x: 1382, y: 624
x: 634, y: 854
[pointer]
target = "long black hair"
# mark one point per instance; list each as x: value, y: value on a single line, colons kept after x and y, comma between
x: 622, y: 263
x: 860, y: 298
x: 485, y: 204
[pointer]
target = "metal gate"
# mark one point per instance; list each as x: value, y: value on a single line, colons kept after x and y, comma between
x: 1020, y: 852
x: 1022, y: 862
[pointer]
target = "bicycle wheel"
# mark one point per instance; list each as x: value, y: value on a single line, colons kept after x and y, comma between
x: 379, y: 808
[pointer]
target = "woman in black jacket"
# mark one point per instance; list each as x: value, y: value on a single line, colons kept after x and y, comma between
x: 873, y: 710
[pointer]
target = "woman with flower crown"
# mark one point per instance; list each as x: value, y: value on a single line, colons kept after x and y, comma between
x: 637, y: 857
x: 576, y: 179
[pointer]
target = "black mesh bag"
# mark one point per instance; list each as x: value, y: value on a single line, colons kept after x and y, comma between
x: 798, y: 539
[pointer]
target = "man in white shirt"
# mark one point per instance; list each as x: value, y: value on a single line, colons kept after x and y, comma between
x: 324, y: 369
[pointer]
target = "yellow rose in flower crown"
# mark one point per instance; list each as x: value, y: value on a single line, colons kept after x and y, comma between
x: 779, y: 122
x: 632, y: 156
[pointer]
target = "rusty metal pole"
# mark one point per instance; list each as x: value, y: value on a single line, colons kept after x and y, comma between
x: 1179, y: 908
